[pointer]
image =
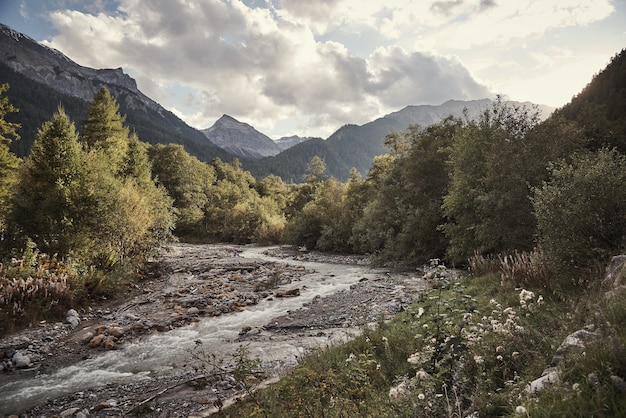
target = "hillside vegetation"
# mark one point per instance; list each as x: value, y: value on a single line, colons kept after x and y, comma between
x: 535, y: 211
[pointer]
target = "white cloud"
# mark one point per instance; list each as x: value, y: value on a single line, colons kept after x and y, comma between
x: 268, y: 62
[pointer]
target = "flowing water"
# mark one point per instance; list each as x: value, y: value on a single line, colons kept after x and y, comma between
x: 167, y: 352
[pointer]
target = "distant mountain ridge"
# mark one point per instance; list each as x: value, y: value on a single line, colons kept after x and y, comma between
x: 34, y: 69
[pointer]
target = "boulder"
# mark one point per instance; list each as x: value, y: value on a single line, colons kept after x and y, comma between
x: 549, y: 377
x: 615, y: 272
x: 574, y: 343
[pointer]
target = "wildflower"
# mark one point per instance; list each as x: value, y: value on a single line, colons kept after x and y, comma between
x: 479, y: 359
x: 525, y: 296
x: 576, y: 387
x: 350, y: 358
x: 413, y: 359
x: 422, y: 375
x: 499, y: 349
x: 540, y: 300
x: 425, y: 326
x: 385, y: 339
x: 514, y: 355
x: 421, y: 397
x: 420, y: 312
x: 521, y: 410
x: 499, y: 358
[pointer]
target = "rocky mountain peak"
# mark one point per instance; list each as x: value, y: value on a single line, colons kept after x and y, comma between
x: 240, y: 139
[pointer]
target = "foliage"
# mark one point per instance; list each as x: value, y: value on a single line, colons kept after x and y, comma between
x: 486, y: 206
x: 35, y: 287
x: 187, y: 180
x: 48, y: 204
x: 238, y: 368
x: 518, y: 269
x: 401, y: 218
x: 9, y: 163
x: 104, y: 129
x: 580, y: 210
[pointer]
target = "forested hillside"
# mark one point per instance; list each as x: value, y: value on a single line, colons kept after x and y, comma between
x: 601, y: 107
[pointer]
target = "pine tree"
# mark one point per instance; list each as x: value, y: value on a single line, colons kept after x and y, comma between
x: 104, y: 129
x: 9, y: 163
x: 47, y: 203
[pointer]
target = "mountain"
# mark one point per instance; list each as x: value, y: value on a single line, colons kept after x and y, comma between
x: 41, y: 78
x: 600, y: 108
x: 290, y: 141
x: 240, y: 139
x: 357, y: 145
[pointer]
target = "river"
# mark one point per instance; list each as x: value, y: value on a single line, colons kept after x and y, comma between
x: 166, y: 352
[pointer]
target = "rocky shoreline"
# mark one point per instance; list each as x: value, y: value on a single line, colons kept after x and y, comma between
x: 196, y: 282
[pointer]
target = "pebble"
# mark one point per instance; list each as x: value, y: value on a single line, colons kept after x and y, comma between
x: 69, y: 412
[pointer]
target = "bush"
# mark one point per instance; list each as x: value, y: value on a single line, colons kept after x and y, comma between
x: 580, y: 211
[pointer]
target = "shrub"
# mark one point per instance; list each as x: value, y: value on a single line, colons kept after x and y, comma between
x: 580, y: 211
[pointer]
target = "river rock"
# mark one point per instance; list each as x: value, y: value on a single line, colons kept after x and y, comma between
x: 116, y: 332
x: 288, y: 293
x: 109, y: 343
x: 72, y: 318
x: 85, y: 336
x: 69, y: 412
x: 96, y: 341
x: 21, y: 361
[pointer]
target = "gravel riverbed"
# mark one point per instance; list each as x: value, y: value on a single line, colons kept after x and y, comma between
x: 197, y: 283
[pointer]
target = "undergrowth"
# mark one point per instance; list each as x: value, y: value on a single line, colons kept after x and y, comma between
x: 38, y: 287
x: 467, y: 347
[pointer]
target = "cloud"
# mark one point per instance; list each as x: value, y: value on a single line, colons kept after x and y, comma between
x: 265, y: 62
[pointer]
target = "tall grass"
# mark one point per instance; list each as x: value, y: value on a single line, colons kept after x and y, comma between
x: 518, y: 269
x: 33, y: 288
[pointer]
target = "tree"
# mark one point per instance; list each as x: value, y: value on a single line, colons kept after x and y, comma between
x: 581, y: 210
x: 188, y: 181
x: 486, y: 207
x: 9, y: 163
x: 47, y: 204
x: 104, y: 128
x: 8, y: 130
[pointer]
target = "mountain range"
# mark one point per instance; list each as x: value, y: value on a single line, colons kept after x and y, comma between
x: 41, y: 78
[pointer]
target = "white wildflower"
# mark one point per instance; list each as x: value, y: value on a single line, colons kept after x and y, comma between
x: 521, y: 410
x: 420, y: 312
x: 414, y: 358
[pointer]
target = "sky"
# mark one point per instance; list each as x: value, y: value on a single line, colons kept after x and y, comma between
x: 303, y: 67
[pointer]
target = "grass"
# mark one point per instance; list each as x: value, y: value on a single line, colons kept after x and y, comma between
x: 466, y: 348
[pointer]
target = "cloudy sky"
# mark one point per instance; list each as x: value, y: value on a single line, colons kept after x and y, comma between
x: 307, y: 67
